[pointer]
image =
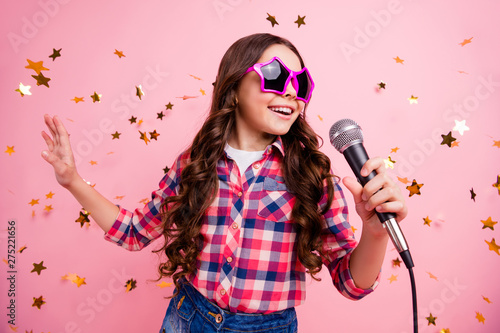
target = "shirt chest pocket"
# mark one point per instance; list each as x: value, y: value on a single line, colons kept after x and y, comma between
x: 275, y: 202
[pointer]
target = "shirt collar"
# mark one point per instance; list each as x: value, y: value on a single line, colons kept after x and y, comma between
x: 278, y: 144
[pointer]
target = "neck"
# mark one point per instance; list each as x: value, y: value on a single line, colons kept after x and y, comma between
x: 250, y: 143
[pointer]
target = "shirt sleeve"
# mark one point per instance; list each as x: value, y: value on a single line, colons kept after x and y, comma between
x: 135, y: 230
x: 338, y: 243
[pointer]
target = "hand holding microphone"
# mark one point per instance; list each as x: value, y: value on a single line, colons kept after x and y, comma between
x: 347, y: 138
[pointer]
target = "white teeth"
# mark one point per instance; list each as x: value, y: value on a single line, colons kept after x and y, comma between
x: 284, y: 110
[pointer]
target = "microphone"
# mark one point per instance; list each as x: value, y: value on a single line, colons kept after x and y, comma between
x: 346, y: 136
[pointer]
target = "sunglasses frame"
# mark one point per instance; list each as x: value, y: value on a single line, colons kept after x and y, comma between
x: 292, y: 76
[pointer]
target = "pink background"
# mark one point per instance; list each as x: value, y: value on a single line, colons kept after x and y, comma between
x: 349, y: 48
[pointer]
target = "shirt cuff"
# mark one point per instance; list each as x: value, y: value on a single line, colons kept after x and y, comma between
x: 351, y: 290
x: 111, y: 235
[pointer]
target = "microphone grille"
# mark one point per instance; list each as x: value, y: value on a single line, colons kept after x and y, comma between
x: 345, y: 133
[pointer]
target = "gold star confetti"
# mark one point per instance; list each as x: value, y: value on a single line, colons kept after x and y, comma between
x: 492, y: 246
x: 413, y: 99
x: 414, y: 188
x: 353, y: 229
x: 14, y: 329
x: 169, y: 106
x: 432, y: 276
x: 132, y: 119
x: 78, y: 99
x: 96, y: 97
x: 92, y: 162
x: 479, y: 317
x: 33, y: 202
x: 447, y: 139
x: 119, y: 53
x: 396, y: 262
x: 187, y: 97
x: 139, y: 92
x: 466, y: 41
x: 38, y: 302
x: 497, y: 184
x: 203, y: 93
x: 41, y: 80
x: 389, y: 163
x: 130, y: 285
x: 455, y: 144
x: 22, y: 249
x: 445, y: 330
x: 164, y: 284
x: 119, y: 197
x: 399, y: 60
x: 144, y: 137
x: 144, y: 201
x: 393, y: 278
x: 472, y: 194
x: 79, y: 281
x: 160, y: 115
x: 489, y: 223
x: 427, y: 221
x: 55, y: 54
x: 300, y: 21
x: 49, y: 195
x: 272, y: 19
x: 320, y: 119
x: 460, y: 127
x: 381, y: 85
x: 83, y: 218
x: 116, y: 135
x: 496, y: 143
x: 487, y: 300
x: 23, y: 90
x: 154, y: 135
x: 140, y: 122
x: 394, y: 150
x: 10, y: 150
x: 38, y: 268
x: 431, y: 320
x: 166, y: 169
x: 48, y: 208
x: 36, y: 66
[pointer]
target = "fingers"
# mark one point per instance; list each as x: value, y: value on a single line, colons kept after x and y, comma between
x: 48, y: 141
x: 354, y: 187
x: 373, y: 164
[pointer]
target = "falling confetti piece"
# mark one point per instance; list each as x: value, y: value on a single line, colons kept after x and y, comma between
x: 389, y: 163
x: 480, y: 317
x: 164, y: 284
x: 427, y: 221
x: 78, y: 99
x: 36, y: 66
x: 119, y: 53
x: 203, y: 93
x: 55, y: 54
x: 41, y: 80
x: 381, y: 85
x: 466, y: 41
x: 396, y: 262
x: 300, y: 21
x: 132, y: 119
x: 392, y: 278
x: 144, y: 137
x: 487, y: 300
x: 455, y: 144
x: 24, y: 247
x: 496, y: 143
x: 489, y: 223
x: 472, y: 194
x: 394, y: 150
x: 166, y: 169
x: 413, y: 99
x: 399, y: 60
x: 116, y: 135
x: 272, y: 19
x: 48, y: 208
x: 83, y: 218
x: 119, y: 197
x: 195, y: 77
x: 403, y: 180
x: 492, y: 246
x: 10, y: 150
x: 187, y: 97
x: 431, y: 320
x: 49, y: 195
x: 33, y: 202
x: 169, y: 106
x: 38, y: 302
x: 154, y: 135
x: 497, y: 184
x: 447, y: 139
x: 445, y: 330
x: 38, y: 268
x: 139, y: 92
x: 414, y: 188
x: 93, y: 162
x: 460, y: 127
x: 144, y: 201
x: 160, y: 115
x: 23, y: 90
x: 96, y: 97
x: 130, y: 285
x: 432, y: 276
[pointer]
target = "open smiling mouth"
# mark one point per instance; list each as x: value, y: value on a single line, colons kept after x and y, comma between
x: 282, y: 110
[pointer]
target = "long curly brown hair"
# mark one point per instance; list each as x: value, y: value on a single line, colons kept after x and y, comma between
x: 305, y: 170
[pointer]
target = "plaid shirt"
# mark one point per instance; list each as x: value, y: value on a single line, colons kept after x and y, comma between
x: 248, y: 261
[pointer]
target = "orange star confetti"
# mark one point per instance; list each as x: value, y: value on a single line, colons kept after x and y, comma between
x: 414, y: 188
x: 24, y: 247
x: 93, y: 162
x: 396, y: 262
x: 36, y: 66
x: 445, y: 330
x: 393, y: 278
x: 455, y: 144
x: 399, y: 60
x: 48, y: 208
x: 487, y: 300
x: 10, y: 150
x: 394, y: 150
x: 320, y: 119
x: 79, y: 281
x: 187, y: 97
x: 154, y: 135
x: 203, y: 93
x: 83, y: 218
x: 33, y: 202
x: 489, y: 223
x: 78, y: 99
x: 23, y: 90
x: 432, y: 276
x: 130, y: 285
x: 272, y: 19
x: 466, y: 41
x: 497, y: 184
x: 195, y: 77
x: 144, y: 201
x: 480, y: 317
x: 49, y: 195
x: 492, y: 246
x: 431, y: 320
x: 403, y: 180
x: 38, y: 268
x: 41, y: 80
x: 38, y: 302
x: 496, y: 143
x: 144, y: 137
x: 427, y: 221
x: 164, y: 284
x: 119, y: 197
x: 119, y: 53
x: 413, y: 99
x: 300, y: 21
x: 96, y: 97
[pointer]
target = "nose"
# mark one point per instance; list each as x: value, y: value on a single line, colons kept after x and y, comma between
x: 290, y: 91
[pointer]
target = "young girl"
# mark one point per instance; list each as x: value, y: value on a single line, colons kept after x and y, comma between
x: 251, y: 206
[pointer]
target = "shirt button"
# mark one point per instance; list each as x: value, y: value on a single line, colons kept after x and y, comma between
x: 235, y: 225
x: 270, y: 150
x: 230, y: 259
x: 240, y: 194
x: 256, y: 165
x: 222, y: 292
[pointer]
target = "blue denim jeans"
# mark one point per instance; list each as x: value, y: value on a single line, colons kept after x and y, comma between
x: 191, y: 312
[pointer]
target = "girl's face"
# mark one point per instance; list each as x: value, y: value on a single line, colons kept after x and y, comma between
x: 258, y: 115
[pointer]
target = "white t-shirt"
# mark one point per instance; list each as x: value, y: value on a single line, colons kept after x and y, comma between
x: 243, y: 158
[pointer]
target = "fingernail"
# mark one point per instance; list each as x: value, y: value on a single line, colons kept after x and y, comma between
x: 45, y: 154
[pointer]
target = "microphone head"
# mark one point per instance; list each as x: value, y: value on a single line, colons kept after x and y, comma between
x: 345, y: 133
